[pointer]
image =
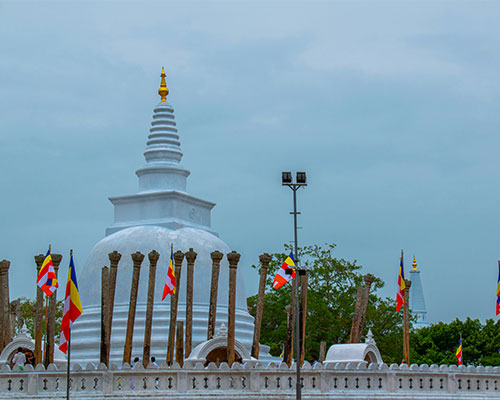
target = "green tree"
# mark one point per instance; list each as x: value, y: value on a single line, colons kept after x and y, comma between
x: 330, y: 305
x: 438, y: 343
x: 27, y: 307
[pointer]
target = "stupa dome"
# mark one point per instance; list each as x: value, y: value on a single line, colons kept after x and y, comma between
x: 147, y: 238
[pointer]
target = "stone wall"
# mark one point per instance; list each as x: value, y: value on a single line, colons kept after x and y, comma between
x: 254, y: 381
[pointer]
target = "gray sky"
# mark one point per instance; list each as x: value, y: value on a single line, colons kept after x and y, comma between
x: 390, y: 107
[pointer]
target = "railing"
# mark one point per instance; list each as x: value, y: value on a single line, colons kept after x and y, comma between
x: 253, y: 380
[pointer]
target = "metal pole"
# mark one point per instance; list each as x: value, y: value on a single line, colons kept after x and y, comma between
x: 69, y: 363
x: 297, y: 302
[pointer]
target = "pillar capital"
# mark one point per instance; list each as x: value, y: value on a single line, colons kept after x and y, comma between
x: 407, y: 284
x: 137, y: 258
x: 233, y: 259
x: 4, y: 266
x: 216, y: 256
x: 114, y: 257
x: 178, y: 257
x: 153, y: 257
x: 191, y: 255
x: 39, y: 261
x: 369, y: 278
x: 265, y: 259
x: 56, y: 260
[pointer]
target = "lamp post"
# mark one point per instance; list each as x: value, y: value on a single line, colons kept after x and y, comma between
x: 286, y: 180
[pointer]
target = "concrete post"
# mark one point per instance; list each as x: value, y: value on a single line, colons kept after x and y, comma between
x: 233, y: 259
x: 114, y: 258
x: 104, y: 313
x: 355, y: 317
x: 174, y: 301
x: 179, y: 346
x: 153, y: 260
x: 288, y: 353
x: 303, y: 315
x: 38, y: 322
x: 369, y: 278
x: 51, y: 325
x: 406, y: 324
x: 288, y: 350
x: 137, y: 258
x: 5, y: 317
x: 216, y: 259
x: 322, y: 351
x: 264, y: 259
x: 190, y: 257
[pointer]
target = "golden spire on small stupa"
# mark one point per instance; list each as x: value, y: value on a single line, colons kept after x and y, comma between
x: 163, y: 90
x: 414, y: 264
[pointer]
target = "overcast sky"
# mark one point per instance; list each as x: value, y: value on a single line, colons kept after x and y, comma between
x: 392, y: 109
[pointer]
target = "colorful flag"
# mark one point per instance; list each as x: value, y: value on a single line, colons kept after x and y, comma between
x: 170, y: 282
x: 459, y: 353
x: 72, y: 307
x: 282, y: 277
x: 47, y: 280
x: 400, y: 297
x: 498, y: 291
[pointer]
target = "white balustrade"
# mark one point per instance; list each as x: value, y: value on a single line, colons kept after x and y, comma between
x: 252, y: 381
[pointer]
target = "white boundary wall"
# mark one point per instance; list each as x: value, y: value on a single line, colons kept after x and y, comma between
x: 254, y: 381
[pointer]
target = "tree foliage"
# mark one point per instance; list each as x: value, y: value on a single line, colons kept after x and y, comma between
x: 437, y: 344
x: 28, y: 307
x: 330, y: 305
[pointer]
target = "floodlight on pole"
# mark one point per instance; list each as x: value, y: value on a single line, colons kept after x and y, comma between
x: 286, y: 180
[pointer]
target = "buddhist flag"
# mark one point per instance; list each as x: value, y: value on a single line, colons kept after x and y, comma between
x: 282, y: 277
x: 170, y: 282
x: 498, y: 290
x: 400, y: 297
x: 47, y: 280
x: 72, y: 307
x: 459, y: 353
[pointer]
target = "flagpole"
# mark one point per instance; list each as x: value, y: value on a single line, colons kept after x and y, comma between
x: 46, y: 324
x: 69, y: 364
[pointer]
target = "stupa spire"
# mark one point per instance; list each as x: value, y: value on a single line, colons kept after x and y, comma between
x: 163, y: 90
x: 414, y: 264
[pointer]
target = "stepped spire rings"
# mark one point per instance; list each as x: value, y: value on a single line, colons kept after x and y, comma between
x: 163, y: 90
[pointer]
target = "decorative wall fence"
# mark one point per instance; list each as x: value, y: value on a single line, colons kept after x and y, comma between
x: 252, y: 381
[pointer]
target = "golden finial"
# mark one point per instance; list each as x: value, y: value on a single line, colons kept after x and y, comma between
x: 163, y: 90
x: 414, y: 264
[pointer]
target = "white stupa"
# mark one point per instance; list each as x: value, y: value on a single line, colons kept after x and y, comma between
x: 161, y: 213
x: 417, y: 302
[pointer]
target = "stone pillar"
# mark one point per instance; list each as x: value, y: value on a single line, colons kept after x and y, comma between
x: 322, y: 351
x: 190, y: 257
x: 174, y: 301
x: 51, y: 325
x: 303, y: 315
x: 114, y: 258
x: 38, y: 320
x: 406, y: 323
x: 137, y: 258
x: 153, y: 260
x: 233, y: 259
x: 369, y: 278
x: 5, y: 317
x: 104, y: 313
x: 179, y: 347
x: 264, y: 259
x: 288, y: 350
x: 216, y: 259
x: 355, y: 316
